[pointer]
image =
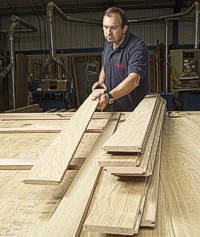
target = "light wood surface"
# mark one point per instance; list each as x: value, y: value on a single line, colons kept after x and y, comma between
x: 46, y: 126
x: 181, y: 192
x: 150, y: 208
x: 29, y: 108
x: 115, y: 205
x: 27, y: 164
x: 185, y: 141
x: 131, y: 135
x: 69, y: 216
x: 52, y: 165
x: 147, y: 158
x: 47, y: 116
x: 27, y: 209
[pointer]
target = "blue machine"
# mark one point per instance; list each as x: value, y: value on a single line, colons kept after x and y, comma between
x: 183, y: 100
x: 169, y: 99
x: 52, y: 99
x: 189, y: 99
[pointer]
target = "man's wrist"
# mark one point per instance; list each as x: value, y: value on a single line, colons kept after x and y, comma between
x: 110, y: 97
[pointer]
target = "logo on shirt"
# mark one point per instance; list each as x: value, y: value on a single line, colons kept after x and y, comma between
x: 121, y: 66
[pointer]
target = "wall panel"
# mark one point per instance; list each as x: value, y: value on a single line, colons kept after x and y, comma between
x: 70, y: 35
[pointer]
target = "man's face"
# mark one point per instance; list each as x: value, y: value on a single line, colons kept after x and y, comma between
x: 113, y: 30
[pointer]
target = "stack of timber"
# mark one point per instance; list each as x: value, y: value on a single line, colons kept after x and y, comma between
x: 139, y: 138
x: 121, y: 205
x: 65, y: 209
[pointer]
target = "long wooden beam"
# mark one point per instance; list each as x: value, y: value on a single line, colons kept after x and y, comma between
x: 27, y: 164
x: 41, y: 130
x: 148, y: 156
x: 117, y: 205
x: 68, y: 218
x: 48, y: 116
x: 150, y: 208
x: 25, y: 109
x: 53, y: 164
x: 130, y: 137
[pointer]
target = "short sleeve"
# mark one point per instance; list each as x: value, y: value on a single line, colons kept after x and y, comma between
x: 138, y: 59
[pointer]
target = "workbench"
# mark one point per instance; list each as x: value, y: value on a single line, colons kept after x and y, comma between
x: 25, y: 209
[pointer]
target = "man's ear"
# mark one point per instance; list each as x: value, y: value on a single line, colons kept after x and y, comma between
x: 125, y: 28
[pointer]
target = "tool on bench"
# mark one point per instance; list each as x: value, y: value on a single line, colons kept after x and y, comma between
x: 174, y: 114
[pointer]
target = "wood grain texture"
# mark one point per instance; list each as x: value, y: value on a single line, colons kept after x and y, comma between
x: 69, y: 216
x: 27, y: 208
x: 46, y: 126
x: 27, y: 164
x: 150, y: 208
x: 131, y: 135
x: 185, y: 141
x: 48, y: 116
x: 148, y: 156
x: 52, y: 165
x: 181, y: 192
x: 115, y: 205
x: 29, y: 108
x: 163, y: 227
x: 119, y: 160
x: 17, y: 164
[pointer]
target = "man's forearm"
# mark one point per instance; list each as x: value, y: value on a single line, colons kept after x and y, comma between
x: 126, y: 86
x: 102, y: 76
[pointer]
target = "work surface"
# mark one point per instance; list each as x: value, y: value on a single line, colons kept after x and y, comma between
x: 26, y: 209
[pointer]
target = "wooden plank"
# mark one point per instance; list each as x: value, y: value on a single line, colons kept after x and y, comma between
x: 124, y: 139
x: 48, y: 116
x: 119, y: 160
x: 150, y: 209
x: 164, y: 225
x: 44, y: 126
x: 115, y: 205
x: 42, y: 130
x: 21, y: 80
x: 75, y: 81
x: 25, y: 109
x: 163, y: 228
x: 31, y: 147
x: 148, y: 156
x: 69, y: 216
x: 16, y: 164
x: 52, y: 165
x: 27, y: 164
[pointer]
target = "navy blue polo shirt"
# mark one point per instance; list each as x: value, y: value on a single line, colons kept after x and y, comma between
x: 130, y: 56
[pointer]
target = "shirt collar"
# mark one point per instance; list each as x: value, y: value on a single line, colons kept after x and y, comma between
x: 125, y: 41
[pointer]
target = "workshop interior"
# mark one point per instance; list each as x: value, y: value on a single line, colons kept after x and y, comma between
x: 70, y: 168
x: 51, y: 52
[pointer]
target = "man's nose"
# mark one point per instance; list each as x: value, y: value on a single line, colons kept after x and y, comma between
x: 109, y: 31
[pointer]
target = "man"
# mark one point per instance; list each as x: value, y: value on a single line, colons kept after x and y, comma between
x: 124, y: 73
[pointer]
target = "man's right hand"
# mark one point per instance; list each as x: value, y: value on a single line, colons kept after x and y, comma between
x: 103, y: 101
x: 98, y: 85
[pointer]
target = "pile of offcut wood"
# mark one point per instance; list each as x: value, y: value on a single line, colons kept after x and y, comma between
x: 97, y: 201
